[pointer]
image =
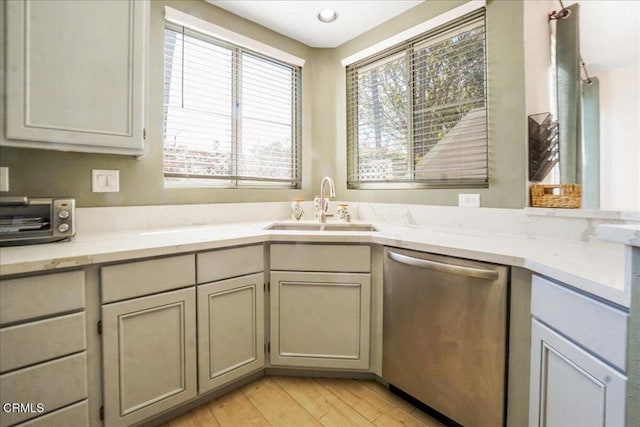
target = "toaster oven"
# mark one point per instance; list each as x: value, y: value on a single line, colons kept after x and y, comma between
x: 26, y: 220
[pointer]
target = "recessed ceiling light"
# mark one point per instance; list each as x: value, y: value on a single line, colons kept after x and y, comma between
x: 327, y: 15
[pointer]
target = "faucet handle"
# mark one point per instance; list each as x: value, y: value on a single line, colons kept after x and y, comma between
x: 317, y: 201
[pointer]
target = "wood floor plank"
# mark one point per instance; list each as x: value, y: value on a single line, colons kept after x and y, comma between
x: 425, y: 418
x: 276, y: 405
x: 402, y: 412
x: 393, y: 412
x: 197, y: 417
x: 397, y: 417
x: 377, y: 408
x: 384, y: 392
x: 301, y: 389
x: 402, y: 404
x: 344, y: 389
x: 235, y: 409
x: 320, y: 402
x: 290, y: 401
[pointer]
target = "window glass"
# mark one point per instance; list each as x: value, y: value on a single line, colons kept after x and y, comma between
x: 231, y: 116
x: 417, y: 112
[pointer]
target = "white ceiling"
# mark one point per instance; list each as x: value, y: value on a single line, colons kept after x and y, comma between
x: 609, y: 29
x: 297, y: 19
x: 609, y: 33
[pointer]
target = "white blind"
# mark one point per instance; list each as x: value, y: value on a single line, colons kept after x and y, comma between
x: 417, y: 112
x: 231, y: 115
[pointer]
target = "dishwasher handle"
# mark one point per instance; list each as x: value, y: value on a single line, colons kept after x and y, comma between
x: 444, y: 268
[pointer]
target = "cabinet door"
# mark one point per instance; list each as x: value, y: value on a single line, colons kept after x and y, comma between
x: 230, y: 330
x: 320, y: 320
x: 149, y: 355
x: 75, y: 75
x: 570, y: 387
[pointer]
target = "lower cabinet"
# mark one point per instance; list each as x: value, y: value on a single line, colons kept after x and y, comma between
x: 149, y: 355
x: 179, y: 326
x: 230, y: 330
x: 570, y: 387
x: 320, y: 320
x: 578, y: 358
x: 43, y: 357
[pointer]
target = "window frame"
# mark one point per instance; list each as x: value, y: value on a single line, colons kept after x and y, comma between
x: 234, y: 180
x: 407, y: 47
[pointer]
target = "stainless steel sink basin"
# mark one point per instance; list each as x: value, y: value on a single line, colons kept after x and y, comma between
x: 286, y: 226
x: 349, y: 227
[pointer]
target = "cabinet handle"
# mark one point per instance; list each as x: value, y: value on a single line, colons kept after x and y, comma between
x: 14, y: 201
x: 444, y: 268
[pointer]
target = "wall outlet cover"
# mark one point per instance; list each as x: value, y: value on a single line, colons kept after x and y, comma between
x: 4, y: 178
x: 469, y: 200
x: 105, y: 181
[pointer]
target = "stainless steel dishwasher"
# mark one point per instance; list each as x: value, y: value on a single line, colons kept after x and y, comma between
x: 445, y: 334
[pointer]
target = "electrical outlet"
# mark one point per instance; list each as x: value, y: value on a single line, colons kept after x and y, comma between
x: 105, y: 181
x: 4, y: 178
x: 469, y: 200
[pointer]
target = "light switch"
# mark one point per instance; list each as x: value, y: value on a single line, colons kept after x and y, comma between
x: 4, y: 178
x: 469, y: 200
x: 105, y: 181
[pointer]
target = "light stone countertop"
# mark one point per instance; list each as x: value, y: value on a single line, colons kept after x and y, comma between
x: 628, y: 234
x: 594, y: 267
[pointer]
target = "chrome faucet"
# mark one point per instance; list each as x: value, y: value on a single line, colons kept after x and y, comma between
x: 322, y: 215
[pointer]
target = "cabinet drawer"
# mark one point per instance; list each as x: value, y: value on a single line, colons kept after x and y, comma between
x: 76, y: 415
x: 596, y: 326
x: 54, y: 384
x: 227, y: 263
x: 339, y: 258
x: 40, y: 296
x: 134, y: 279
x: 36, y: 342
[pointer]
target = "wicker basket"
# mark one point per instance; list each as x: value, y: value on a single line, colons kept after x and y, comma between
x: 556, y: 196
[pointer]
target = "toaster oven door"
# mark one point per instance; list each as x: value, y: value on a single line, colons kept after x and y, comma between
x: 24, y: 221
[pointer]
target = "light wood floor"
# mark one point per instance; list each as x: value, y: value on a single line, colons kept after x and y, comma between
x: 289, y: 401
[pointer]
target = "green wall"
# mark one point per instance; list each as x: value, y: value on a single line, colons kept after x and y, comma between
x: 50, y: 173
x: 506, y: 109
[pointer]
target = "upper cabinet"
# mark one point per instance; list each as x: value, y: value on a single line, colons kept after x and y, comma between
x: 75, y: 75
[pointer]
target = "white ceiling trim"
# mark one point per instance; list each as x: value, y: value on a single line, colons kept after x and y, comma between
x: 186, y: 20
x: 415, y: 31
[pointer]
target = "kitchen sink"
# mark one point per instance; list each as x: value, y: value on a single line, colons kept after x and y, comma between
x: 286, y: 226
